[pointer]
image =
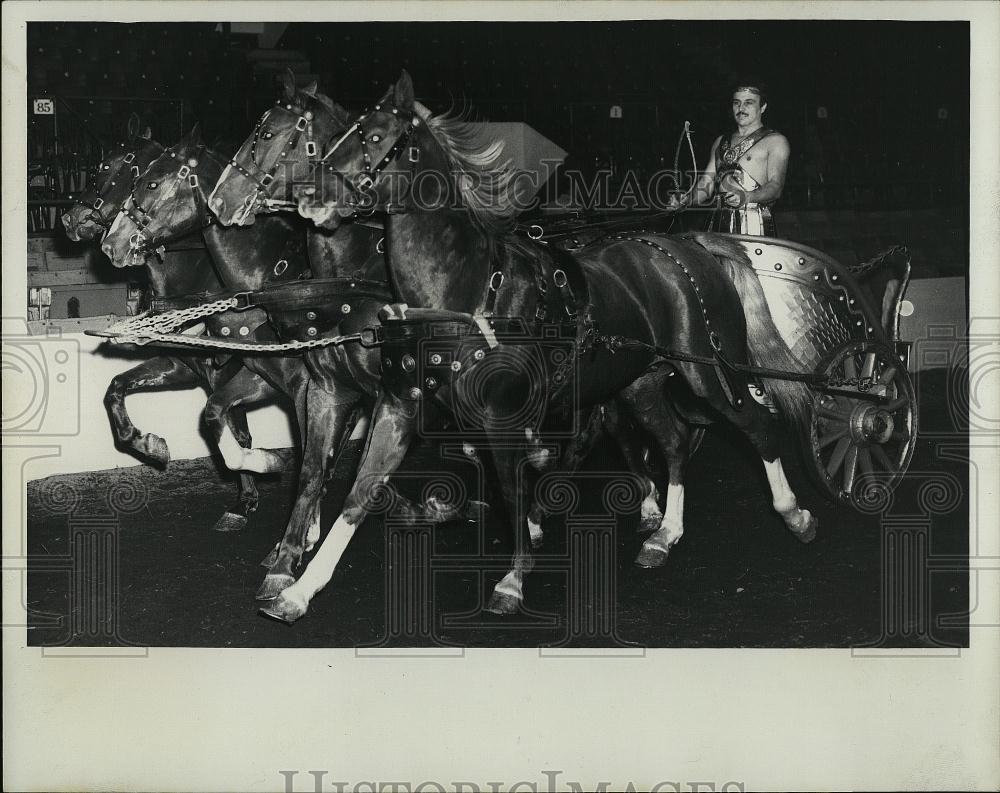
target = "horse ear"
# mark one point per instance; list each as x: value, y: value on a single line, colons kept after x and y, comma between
x: 402, y: 92
x: 194, y: 137
x: 133, y: 126
x: 288, y: 80
x: 147, y: 133
x: 311, y: 89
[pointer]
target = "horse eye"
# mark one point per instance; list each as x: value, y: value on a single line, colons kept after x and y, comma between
x: 268, y: 135
x: 152, y: 185
x: 375, y: 138
x: 106, y: 167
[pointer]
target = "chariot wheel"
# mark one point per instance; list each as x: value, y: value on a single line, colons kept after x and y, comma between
x: 863, y: 426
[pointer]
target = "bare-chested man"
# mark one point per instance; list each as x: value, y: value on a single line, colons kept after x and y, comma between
x: 746, y: 169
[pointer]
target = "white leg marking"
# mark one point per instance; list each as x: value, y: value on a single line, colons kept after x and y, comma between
x: 783, y: 498
x: 672, y: 526
x: 361, y: 429
x: 535, y: 532
x: 320, y: 570
x: 312, y: 537
x: 232, y: 452
x: 511, y: 585
x: 239, y: 459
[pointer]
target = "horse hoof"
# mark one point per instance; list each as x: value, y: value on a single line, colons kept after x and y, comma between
x: 807, y: 533
x: 503, y: 604
x: 649, y: 523
x: 650, y: 557
x: 274, y: 584
x: 284, y: 609
x: 271, y: 559
x: 155, y: 448
x: 230, y: 521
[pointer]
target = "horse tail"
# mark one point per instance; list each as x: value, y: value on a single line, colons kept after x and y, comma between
x: 764, y: 343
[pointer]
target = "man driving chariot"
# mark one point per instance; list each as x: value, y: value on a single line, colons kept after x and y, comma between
x: 746, y: 169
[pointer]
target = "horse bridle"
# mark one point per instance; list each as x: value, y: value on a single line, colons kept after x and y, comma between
x: 364, y: 184
x: 142, y: 217
x: 263, y: 179
x: 95, y: 206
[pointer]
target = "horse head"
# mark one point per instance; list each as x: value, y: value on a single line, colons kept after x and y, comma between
x: 94, y: 210
x: 287, y: 139
x: 167, y: 201
x: 361, y: 171
x: 398, y: 158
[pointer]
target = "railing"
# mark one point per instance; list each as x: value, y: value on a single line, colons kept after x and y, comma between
x: 68, y: 137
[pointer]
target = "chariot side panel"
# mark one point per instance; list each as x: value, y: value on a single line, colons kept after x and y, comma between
x: 814, y: 300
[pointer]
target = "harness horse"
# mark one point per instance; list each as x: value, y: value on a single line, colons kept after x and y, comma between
x: 679, y: 331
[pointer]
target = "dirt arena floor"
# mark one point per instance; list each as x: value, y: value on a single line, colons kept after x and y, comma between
x: 158, y: 576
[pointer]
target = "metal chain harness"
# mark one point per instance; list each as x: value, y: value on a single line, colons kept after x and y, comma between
x: 149, y: 328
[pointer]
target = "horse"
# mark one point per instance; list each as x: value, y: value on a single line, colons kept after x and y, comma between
x: 169, y: 201
x: 259, y: 180
x: 443, y: 245
x: 326, y: 385
x: 183, y: 272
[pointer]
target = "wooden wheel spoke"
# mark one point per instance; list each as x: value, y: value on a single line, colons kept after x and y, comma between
x: 883, y: 459
x: 833, y: 415
x: 887, y: 376
x: 868, y: 367
x: 865, y: 462
x: 832, y: 438
x: 850, y: 366
x: 838, y: 456
x: 850, y: 466
x: 896, y: 404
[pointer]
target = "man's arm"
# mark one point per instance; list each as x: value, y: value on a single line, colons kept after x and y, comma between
x: 777, y: 165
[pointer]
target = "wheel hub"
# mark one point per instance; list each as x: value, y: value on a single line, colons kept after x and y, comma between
x: 870, y: 424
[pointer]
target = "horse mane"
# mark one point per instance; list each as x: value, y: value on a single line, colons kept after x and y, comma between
x: 484, y: 184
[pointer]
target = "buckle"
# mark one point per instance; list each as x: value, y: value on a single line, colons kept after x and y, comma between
x: 414, y: 154
x: 300, y: 125
x: 559, y: 278
x: 193, y: 180
x: 533, y: 234
x: 364, y: 182
x: 183, y: 171
x: 370, y: 337
x: 98, y: 202
x: 496, y: 280
x: 266, y: 179
x: 242, y: 301
x: 135, y: 172
x: 129, y: 157
x: 310, y: 148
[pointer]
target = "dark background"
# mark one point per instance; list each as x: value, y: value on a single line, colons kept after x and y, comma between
x: 896, y: 94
